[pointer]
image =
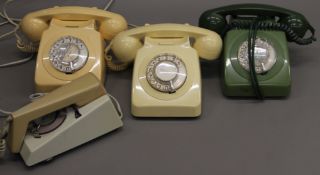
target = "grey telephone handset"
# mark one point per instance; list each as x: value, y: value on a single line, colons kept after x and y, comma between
x: 62, y: 119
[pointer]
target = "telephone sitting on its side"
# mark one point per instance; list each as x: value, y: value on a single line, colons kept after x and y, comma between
x: 71, y: 43
x: 67, y: 117
x: 256, y: 61
x: 166, y: 76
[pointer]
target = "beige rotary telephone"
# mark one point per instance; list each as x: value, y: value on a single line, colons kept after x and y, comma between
x: 63, y: 119
x: 71, y: 43
x: 166, y: 76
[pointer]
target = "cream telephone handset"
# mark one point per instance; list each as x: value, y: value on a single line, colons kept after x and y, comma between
x: 166, y: 75
x: 71, y: 42
x: 63, y: 119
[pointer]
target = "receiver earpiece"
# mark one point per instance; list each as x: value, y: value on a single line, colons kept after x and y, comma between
x: 213, y: 21
x: 208, y: 47
x: 33, y: 27
x: 296, y: 24
x: 125, y: 48
x: 111, y: 27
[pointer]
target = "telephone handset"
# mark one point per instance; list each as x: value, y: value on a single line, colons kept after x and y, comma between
x: 71, y: 42
x: 294, y: 24
x: 256, y: 61
x: 166, y: 75
x: 63, y: 119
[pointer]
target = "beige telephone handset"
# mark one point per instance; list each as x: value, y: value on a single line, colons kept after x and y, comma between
x: 68, y: 116
x: 71, y: 42
x: 166, y: 75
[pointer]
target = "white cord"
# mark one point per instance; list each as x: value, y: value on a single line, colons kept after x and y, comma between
x: 132, y: 25
x: 14, y: 63
x: 12, y: 21
x: 118, y: 106
x: 6, y: 113
x: 3, y: 16
x: 8, y: 19
x: 109, y: 4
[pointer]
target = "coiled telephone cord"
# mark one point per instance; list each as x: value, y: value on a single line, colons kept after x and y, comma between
x: 3, y: 134
x: 109, y: 61
x: 108, y: 58
x: 113, y: 66
x: 269, y: 25
x: 3, y: 147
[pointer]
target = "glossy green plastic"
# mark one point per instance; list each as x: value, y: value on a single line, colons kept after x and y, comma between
x: 215, y: 19
x: 236, y: 80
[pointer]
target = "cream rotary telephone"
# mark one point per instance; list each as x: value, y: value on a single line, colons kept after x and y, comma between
x: 166, y: 76
x: 71, y: 42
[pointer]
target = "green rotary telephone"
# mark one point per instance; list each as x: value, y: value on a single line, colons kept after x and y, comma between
x: 255, y: 56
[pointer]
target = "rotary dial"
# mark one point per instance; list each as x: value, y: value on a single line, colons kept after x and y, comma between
x: 264, y: 55
x: 166, y: 73
x: 68, y: 54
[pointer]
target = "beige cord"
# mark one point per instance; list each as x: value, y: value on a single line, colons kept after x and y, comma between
x: 110, y: 64
x: 21, y: 44
x: 3, y: 134
x: 3, y: 147
x: 115, y: 67
x: 108, y: 58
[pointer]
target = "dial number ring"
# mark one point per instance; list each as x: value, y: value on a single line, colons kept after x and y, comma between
x: 68, y: 54
x: 166, y: 73
x: 265, y: 56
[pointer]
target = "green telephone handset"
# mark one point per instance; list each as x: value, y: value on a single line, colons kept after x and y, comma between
x: 259, y: 68
x: 166, y: 76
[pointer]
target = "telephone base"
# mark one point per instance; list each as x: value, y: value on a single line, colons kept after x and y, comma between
x: 236, y: 80
x: 167, y: 111
x: 47, y: 77
x: 146, y: 101
x: 97, y: 118
x: 245, y: 90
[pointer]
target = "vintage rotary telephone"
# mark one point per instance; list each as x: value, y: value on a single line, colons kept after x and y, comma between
x: 71, y: 42
x: 65, y: 118
x: 256, y: 61
x: 166, y: 76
